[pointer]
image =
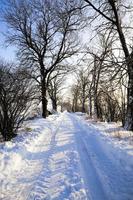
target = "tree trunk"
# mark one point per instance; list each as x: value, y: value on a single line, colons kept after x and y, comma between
x: 44, y: 99
x: 123, y: 113
x: 90, y: 106
x: 76, y: 105
x: 83, y: 101
x: 83, y: 105
x: 54, y: 104
x: 129, y: 114
x: 95, y: 107
x: 73, y: 106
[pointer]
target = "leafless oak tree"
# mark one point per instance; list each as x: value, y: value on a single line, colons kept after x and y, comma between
x: 43, y: 32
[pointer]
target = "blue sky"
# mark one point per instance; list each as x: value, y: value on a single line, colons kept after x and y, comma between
x: 8, y: 53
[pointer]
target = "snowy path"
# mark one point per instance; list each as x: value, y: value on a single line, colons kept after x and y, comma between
x: 107, y: 176
x: 64, y: 158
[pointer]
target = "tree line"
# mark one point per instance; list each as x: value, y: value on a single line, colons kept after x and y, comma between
x: 46, y: 36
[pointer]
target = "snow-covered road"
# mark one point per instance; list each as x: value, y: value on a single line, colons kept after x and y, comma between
x: 64, y: 158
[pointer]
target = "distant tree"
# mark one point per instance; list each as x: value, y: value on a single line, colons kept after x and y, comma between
x: 79, y: 90
x: 108, y: 105
x: 16, y: 97
x: 55, y: 85
x: 43, y: 32
x: 82, y: 80
x: 66, y: 106
x: 75, y: 97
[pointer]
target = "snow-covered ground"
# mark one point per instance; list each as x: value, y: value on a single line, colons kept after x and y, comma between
x: 65, y: 157
x: 116, y: 135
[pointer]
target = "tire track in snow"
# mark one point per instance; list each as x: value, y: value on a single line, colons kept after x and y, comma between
x: 116, y: 180
x: 38, y: 191
x: 101, y: 173
x: 93, y: 184
x: 60, y: 176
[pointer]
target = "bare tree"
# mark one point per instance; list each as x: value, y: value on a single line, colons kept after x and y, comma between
x: 75, y: 97
x: 79, y: 90
x: 109, y: 108
x: 82, y: 79
x: 54, y: 88
x: 99, y: 64
x: 42, y: 31
x: 112, y: 12
x: 16, y: 97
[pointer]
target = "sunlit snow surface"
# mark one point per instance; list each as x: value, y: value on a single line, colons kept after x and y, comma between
x: 64, y: 158
x: 42, y: 164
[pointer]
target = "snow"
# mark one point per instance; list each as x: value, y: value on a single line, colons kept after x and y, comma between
x: 113, y: 133
x: 65, y: 157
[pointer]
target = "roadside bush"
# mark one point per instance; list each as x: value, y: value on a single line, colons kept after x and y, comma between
x: 16, y: 97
